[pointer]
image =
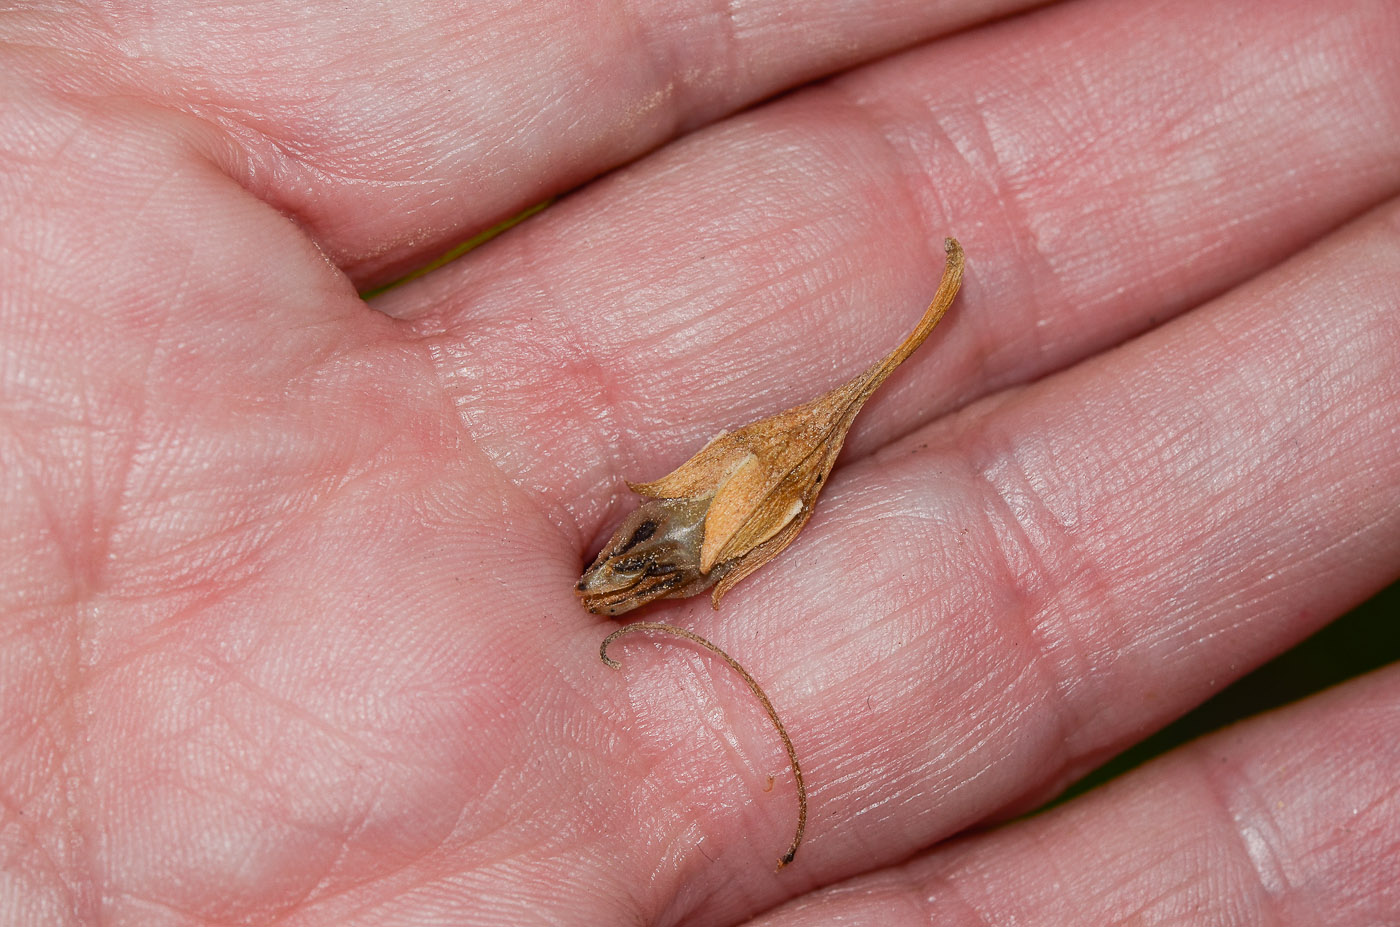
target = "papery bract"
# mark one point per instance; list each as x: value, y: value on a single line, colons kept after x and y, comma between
x: 745, y: 495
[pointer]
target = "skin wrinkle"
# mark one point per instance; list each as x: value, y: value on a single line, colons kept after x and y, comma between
x: 591, y: 374
x: 91, y: 543
x: 1148, y: 909
x: 670, y: 96
x: 791, y: 282
x: 1054, y: 658
x: 81, y: 881
x: 731, y: 68
x: 230, y: 675
x: 1001, y: 495
x: 1083, y: 905
x: 704, y: 724
x: 973, y: 735
x: 909, y: 168
x: 48, y: 514
x: 726, y: 11
x: 720, y: 352
x: 1383, y: 801
x: 339, y: 838
x: 188, y: 915
x: 243, y: 567
x: 15, y: 816
x: 353, y: 833
x: 1228, y: 790
x: 930, y: 901
x: 980, y: 162
x: 591, y: 371
x: 1031, y: 660
x: 607, y: 445
x: 140, y: 418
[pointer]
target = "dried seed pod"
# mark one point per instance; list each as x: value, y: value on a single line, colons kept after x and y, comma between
x: 745, y: 496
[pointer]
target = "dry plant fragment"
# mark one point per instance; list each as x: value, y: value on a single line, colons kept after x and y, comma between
x: 757, y: 691
x: 735, y: 505
x: 745, y: 496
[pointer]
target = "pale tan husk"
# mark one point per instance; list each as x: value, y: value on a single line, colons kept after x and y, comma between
x: 755, y: 488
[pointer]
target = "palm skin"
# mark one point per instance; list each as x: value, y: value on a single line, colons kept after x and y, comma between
x: 289, y: 633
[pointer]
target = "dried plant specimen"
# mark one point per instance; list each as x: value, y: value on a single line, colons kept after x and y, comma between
x: 788, y: 856
x: 735, y: 505
x: 745, y: 496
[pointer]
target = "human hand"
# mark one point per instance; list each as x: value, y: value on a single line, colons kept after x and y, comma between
x: 289, y: 630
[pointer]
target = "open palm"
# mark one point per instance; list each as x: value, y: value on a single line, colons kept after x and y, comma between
x: 288, y: 625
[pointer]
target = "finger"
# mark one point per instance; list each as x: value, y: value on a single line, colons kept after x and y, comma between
x: 393, y: 133
x: 1291, y: 818
x: 761, y: 263
x: 981, y: 613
